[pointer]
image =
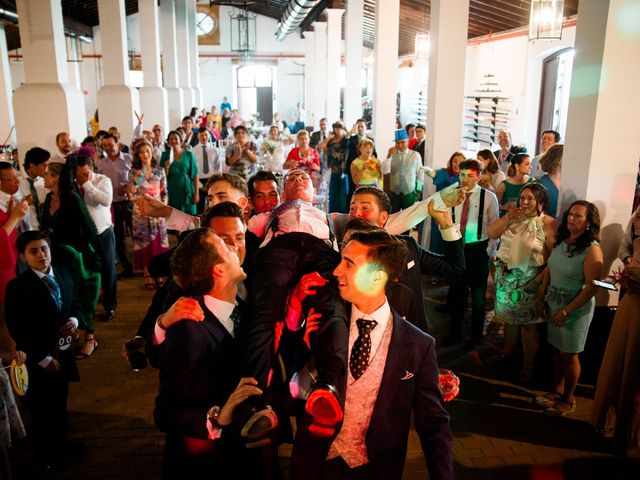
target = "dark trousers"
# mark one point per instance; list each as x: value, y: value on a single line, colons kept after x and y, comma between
x: 47, y: 399
x: 337, y: 469
x: 400, y: 201
x: 276, y: 270
x: 121, y: 223
x: 473, y: 280
x: 107, y: 242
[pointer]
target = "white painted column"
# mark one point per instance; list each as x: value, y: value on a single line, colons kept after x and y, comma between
x: 193, y: 53
x: 385, y: 73
x: 602, y: 146
x: 310, y: 77
x: 170, y: 62
x: 334, y: 56
x: 153, y: 96
x: 116, y: 99
x: 74, y: 51
x: 320, y: 96
x: 353, y: 62
x: 46, y: 79
x: 6, y: 89
x: 184, y: 65
x: 445, y: 100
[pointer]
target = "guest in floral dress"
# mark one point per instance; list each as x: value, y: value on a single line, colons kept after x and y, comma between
x: 149, y: 233
x: 242, y: 154
x: 337, y: 148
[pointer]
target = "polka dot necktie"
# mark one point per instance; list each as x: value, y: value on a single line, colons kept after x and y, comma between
x: 361, y: 350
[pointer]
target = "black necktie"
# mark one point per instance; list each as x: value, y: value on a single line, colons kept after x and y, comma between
x: 235, y: 317
x: 205, y: 160
x: 34, y: 193
x: 361, y: 350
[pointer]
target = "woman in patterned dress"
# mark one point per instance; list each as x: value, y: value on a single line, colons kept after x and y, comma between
x: 149, y: 233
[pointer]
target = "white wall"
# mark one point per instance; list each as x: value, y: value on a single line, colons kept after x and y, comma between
x: 516, y: 64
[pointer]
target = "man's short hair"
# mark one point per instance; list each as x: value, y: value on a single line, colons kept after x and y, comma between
x: 555, y: 134
x: 261, y: 176
x: 59, y: 136
x: 360, y: 120
x: 35, y: 156
x: 25, y: 238
x: 203, y: 129
x: 421, y: 126
x: 360, y: 224
x: 236, y: 181
x: 224, y: 209
x: 382, y: 199
x: 471, y: 164
x: 386, y: 252
x: 192, y: 260
x: 110, y: 135
x: 184, y: 119
x: 83, y: 160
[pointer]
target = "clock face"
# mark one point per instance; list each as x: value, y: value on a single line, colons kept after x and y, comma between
x: 205, y: 24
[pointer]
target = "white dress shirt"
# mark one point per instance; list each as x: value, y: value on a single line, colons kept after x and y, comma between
x: 382, y: 315
x: 98, y: 194
x: 25, y: 190
x: 212, y: 159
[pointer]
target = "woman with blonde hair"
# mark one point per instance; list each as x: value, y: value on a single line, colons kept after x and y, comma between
x: 366, y: 169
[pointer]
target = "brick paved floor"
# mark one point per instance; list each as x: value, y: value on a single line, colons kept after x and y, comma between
x: 498, y: 432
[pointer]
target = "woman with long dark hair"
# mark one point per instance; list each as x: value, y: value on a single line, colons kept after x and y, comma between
x: 73, y: 241
x: 492, y: 176
x: 575, y: 262
x: 442, y: 178
x: 508, y: 190
x: 182, y: 174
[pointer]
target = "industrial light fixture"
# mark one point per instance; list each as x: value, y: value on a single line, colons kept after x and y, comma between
x: 546, y: 18
x: 243, y: 30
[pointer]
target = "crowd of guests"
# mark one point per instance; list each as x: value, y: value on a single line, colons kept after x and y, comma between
x: 271, y: 308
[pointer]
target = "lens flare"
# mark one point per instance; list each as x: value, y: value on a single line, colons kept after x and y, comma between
x: 365, y: 281
x: 587, y: 80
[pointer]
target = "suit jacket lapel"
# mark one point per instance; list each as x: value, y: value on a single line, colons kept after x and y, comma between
x: 37, y: 283
x: 212, y: 324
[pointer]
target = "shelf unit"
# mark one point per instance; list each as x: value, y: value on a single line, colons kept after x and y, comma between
x: 484, y: 116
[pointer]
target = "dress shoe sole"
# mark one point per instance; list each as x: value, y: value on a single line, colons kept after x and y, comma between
x: 258, y: 427
x: 324, y: 407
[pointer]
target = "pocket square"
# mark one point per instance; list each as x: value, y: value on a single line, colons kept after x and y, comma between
x: 407, y: 375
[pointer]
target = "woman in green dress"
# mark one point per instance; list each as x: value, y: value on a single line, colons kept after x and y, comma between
x: 182, y: 175
x: 73, y: 242
x: 575, y: 262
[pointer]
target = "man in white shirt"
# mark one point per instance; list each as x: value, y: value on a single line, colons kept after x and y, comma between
x: 97, y: 193
x: 475, y: 214
x: 65, y: 146
x: 32, y: 183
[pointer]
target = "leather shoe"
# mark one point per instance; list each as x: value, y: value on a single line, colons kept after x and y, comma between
x: 260, y: 422
x: 107, y: 315
x: 323, y: 405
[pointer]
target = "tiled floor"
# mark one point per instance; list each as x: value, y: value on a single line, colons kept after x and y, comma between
x: 498, y: 432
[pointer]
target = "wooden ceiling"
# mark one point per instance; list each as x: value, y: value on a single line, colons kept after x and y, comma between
x: 485, y: 16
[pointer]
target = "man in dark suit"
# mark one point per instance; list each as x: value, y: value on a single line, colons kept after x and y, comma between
x: 418, y: 146
x: 43, y: 313
x: 196, y: 398
x: 373, y: 205
x: 320, y: 135
x: 393, y: 373
x: 352, y: 154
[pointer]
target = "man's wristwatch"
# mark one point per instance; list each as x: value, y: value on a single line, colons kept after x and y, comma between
x: 212, y: 416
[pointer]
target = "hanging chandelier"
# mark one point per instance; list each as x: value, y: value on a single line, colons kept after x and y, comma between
x: 546, y: 19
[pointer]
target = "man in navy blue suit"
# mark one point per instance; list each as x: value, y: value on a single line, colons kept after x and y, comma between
x: 393, y: 372
x: 43, y: 312
x: 197, y: 360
